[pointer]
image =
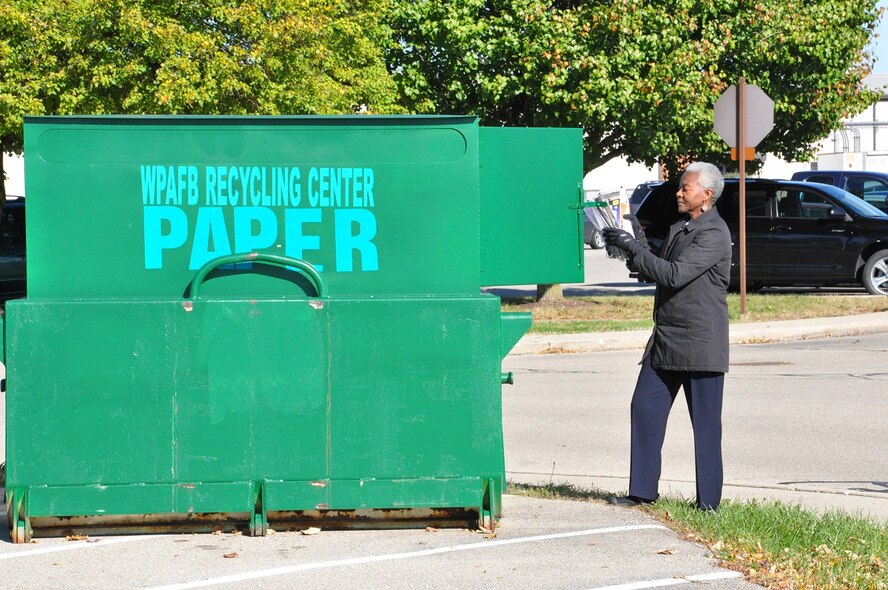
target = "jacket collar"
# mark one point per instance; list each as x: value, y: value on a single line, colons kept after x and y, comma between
x: 685, y: 228
x: 705, y: 217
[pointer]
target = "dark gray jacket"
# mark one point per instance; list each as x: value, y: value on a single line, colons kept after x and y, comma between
x: 692, y: 274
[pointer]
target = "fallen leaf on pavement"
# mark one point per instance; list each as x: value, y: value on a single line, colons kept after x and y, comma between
x: 488, y: 533
x: 230, y: 555
x: 311, y: 531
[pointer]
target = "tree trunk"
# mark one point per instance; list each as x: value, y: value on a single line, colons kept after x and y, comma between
x: 549, y: 293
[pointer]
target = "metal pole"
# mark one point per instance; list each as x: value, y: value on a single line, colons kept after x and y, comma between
x: 741, y: 160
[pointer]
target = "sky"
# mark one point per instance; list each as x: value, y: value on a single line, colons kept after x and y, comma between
x: 880, y: 47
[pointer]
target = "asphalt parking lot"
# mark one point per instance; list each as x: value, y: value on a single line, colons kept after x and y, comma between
x: 540, y: 544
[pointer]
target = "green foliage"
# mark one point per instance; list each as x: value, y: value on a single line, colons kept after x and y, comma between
x: 19, y: 82
x: 172, y: 57
x: 641, y: 78
x: 293, y: 56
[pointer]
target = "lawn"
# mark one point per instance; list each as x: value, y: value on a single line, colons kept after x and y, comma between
x: 633, y: 312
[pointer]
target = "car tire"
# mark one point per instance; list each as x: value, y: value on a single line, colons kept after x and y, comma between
x: 597, y: 240
x: 875, y: 273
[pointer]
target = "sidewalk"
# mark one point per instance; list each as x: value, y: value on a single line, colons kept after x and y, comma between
x: 740, y: 333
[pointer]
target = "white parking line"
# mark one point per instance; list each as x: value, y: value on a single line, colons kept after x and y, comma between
x: 292, y: 569
x: 99, y: 542
x: 671, y: 581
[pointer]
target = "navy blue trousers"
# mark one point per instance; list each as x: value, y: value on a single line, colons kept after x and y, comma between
x: 652, y: 401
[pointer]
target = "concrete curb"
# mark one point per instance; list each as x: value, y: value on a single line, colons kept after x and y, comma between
x: 740, y: 333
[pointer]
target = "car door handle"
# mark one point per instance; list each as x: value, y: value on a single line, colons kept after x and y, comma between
x: 781, y: 228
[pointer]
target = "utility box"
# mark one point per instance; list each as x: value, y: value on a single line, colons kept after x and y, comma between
x: 237, y: 321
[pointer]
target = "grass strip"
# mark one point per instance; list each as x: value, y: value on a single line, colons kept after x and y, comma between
x: 776, y: 545
x: 612, y: 313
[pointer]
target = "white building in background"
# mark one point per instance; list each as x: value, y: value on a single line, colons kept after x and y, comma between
x: 14, y: 166
x: 861, y: 144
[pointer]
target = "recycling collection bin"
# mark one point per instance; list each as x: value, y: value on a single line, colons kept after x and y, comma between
x: 232, y: 321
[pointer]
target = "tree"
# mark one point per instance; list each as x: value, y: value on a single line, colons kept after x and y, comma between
x: 19, y: 82
x: 172, y: 57
x: 640, y: 77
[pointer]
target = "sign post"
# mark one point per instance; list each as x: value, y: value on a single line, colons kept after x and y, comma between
x: 743, y: 115
x: 741, y: 163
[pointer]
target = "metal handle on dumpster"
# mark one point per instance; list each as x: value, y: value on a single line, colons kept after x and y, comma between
x: 302, y: 266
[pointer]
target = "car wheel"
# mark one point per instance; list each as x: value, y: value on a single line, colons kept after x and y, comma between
x: 597, y: 240
x: 875, y: 273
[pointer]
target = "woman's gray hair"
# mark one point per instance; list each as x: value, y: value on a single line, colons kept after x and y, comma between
x: 709, y: 177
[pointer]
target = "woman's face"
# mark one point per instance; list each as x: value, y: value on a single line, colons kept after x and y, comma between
x: 691, y: 196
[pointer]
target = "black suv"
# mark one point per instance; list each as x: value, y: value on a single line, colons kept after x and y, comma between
x: 12, y: 249
x: 640, y: 193
x: 797, y: 233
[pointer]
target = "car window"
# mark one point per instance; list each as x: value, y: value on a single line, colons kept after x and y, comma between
x: 874, y: 192
x: 815, y: 205
x: 852, y: 204
x: 788, y: 204
x: 756, y: 203
x: 820, y: 179
x: 855, y: 186
x: 802, y: 204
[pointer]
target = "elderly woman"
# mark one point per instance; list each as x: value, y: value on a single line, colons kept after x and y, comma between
x: 689, y: 345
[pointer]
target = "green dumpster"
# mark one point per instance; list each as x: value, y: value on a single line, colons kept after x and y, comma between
x: 232, y: 322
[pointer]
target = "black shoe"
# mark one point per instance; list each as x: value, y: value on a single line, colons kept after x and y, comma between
x: 629, y: 501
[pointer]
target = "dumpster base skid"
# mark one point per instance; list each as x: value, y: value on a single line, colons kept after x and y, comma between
x: 252, y: 507
x: 227, y: 522
x: 16, y: 520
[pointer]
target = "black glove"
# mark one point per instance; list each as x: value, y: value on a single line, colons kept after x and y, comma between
x: 637, y: 230
x: 621, y: 239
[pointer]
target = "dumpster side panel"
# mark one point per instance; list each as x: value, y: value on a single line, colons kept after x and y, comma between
x: 145, y: 201
x: 415, y: 409
x: 256, y: 405
x: 163, y: 409
x: 80, y: 405
x: 416, y: 388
